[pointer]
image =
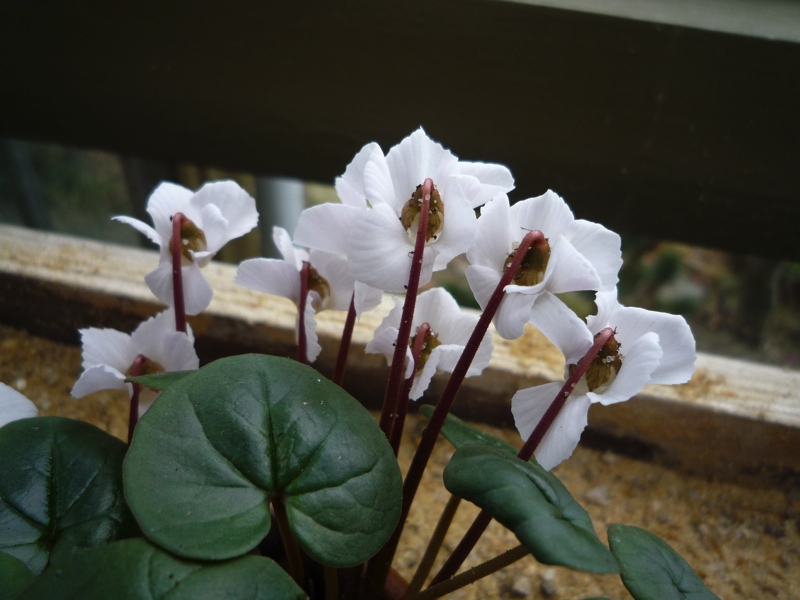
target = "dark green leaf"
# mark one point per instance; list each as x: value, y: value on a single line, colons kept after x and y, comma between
x: 460, y: 434
x: 61, y: 489
x: 651, y: 569
x: 160, y: 381
x: 14, y: 576
x: 137, y: 570
x: 217, y: 445
x: 531, y: 502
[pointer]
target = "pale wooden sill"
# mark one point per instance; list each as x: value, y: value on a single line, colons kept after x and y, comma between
x: 733, y: 416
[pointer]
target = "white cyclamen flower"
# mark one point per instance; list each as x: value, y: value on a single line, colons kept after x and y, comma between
x: 330, y: 284
x: 108, y: 354
x: 582, y: 256
x: 376, y: 225
x: 217, y: 213
x: 450, y: 329
x: 14, y: 406
x: 647, y: 347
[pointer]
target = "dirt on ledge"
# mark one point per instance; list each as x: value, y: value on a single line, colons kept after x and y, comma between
x: 744, y: 541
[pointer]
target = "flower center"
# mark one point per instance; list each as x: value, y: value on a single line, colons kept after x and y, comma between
x: 192, y: 239
x: 531, y: 269
x: 317, y: 283
x: 604, y: 367
x: 146, y: 366
x: 429, y: 342
x: 409, y: 216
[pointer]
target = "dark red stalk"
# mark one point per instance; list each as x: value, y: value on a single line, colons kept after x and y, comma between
x: 402, y: 405
x: 344, y: 344
x: 404, y: 330
x: 133, y: 414
x: 177, y: 273
x: 384, y: 558
x: 483, y: 519
x: 302, y: 345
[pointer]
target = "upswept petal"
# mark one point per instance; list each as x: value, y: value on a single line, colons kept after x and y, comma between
x: 494, y: 239
x: 14, y: 406
x: 312, y: 340
x: 514, y: 312
x: 141, y: 227
x: 366, y: 297
x: 215, y: 227
x: 528, y: 407
x: 107, y: 346
x: 271, y: 276
x: 568, y: 270
x: 379, y: 252
x: 157, y: 339
x: 237, y: 206
x: 559, y: 324
x: 166, y: 200
x: 333, y: 268
x: 639, y: 361
x: 178, y: 353
x: 97, y: 378
x: 196, y: 290
x: 482, y: 281
x: 601, y: 246
x: 547, y: 213
x: 327, y: 226
x: 494, y: 179
x: 294, y: 256
x: 350, y: 185
x: 413, y: 160
x: 422, y: 379
x: 459, y: 231
x: 378, y: 184
x: 383, y: 343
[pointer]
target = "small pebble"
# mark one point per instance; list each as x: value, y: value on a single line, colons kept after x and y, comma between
x: 521, y: 588
x: 21, y: 383
x: 598, y: 495
x: 609, y: 457
x: 548, y: 584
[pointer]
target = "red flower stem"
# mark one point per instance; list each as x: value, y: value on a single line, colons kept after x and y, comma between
x: 383, y: 559
x: 133, y: 414
x: 402, y: 406
x: 483, y: 519
x: 404, y: 330
x: 302, y: 345
x: 177, y: 273
x: 344, y: 344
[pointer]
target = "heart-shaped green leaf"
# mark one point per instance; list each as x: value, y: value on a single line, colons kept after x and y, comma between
x: 216, y: 446
x: 61, y: 489
x: 137, y: 570
x: 160, y: 381
x: 14, y: 576
x: 460, y: 434
x: 651, y: 569
x: 531, y: 502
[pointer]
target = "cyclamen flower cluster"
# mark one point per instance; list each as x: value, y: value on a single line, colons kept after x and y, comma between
x: 355, y: 251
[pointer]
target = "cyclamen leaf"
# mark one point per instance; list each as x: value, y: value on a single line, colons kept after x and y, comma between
x: 531, y: 502
x: 137, y: 570
x: 208, y: 456
x: 14, y: 576
x: 61, y: 489
x: 651, y: 569
x: 460, y: 434
x: 159, y: 381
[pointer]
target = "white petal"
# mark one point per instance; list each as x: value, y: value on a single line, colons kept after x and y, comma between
x: 379, y: 252
x: 384, y: 343
x: 675, y: 340
x: 640, y: 359
x: 326, y: 227
x: 459, y: 230
x: 312, y: 340
x: 568, y: 270
x: 158, y: 340
x: 14, y: 406
x: 607, y: 305
x: 547, y: 213
x: 282, y: 241
x: 514, y: 312
x: 422, y: 379
x: 333, y: 268
x: 601, y: 246
x: 107, y: 346
x: 215, y: 228
x: 166, y: 200
x: 197, y: 292
x: 415, y: 159
x: 561, y: 326
x: 271, y: 276
x: 378, y: 184
x: 483, y: 282
x: 235, y: 204
x: 366, y: 297
x: 141, y: 227
x: 494, y: 240
x: 494, y: 179
x: 350, y: 186
x: 97, y: 378
x: 441, y: 311
x: 560, y: 441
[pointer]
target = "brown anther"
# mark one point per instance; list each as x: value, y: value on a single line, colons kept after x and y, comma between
x: 409, y: 216
x: 146, y: 367
x: 428, y: 344
x: 605, y: 365
x: 531, y: 270
x: 192, y: 239
x: 317, y: 283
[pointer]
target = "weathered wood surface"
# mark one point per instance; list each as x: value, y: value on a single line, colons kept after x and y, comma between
x: 668, y: 118
x: 733, y: 416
